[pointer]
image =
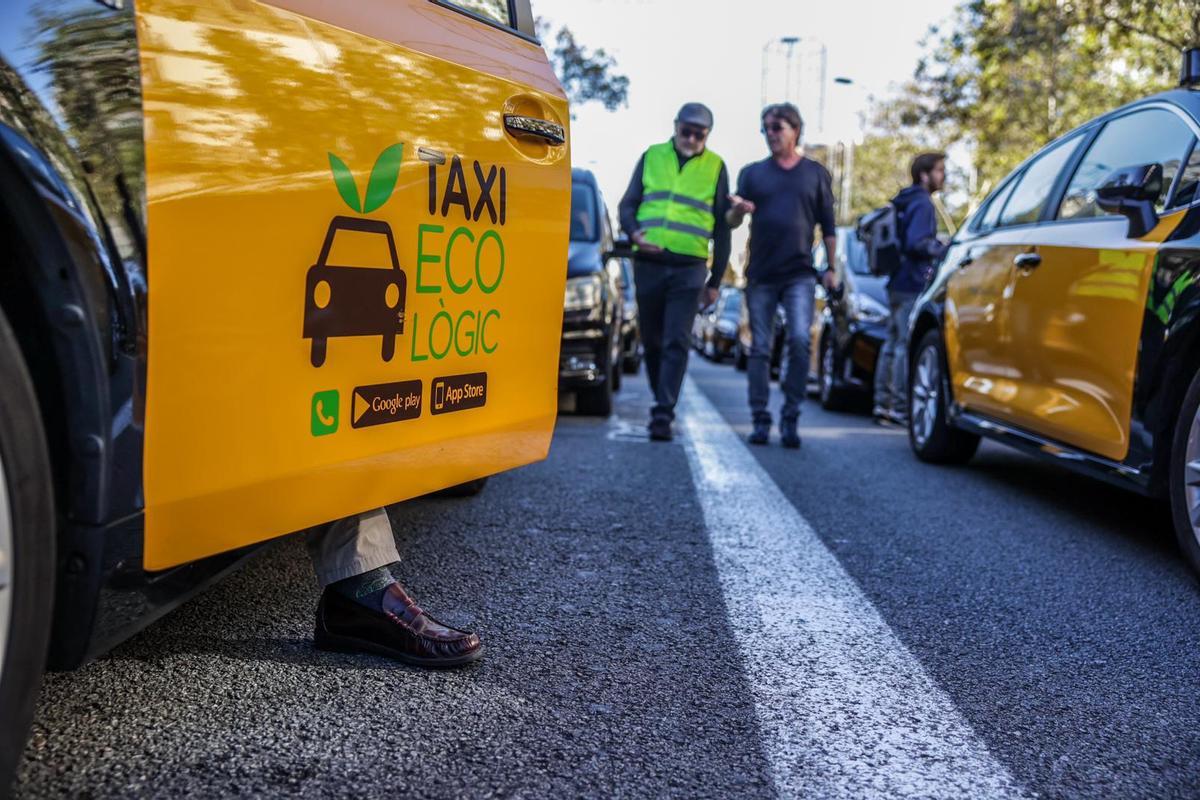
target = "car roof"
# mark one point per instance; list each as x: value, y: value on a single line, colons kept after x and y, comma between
x: 581, y: 175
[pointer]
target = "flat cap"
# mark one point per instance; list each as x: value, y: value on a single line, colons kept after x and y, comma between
x: 696, y: 114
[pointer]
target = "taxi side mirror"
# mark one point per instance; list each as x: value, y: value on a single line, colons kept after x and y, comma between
x: 1132, y: 192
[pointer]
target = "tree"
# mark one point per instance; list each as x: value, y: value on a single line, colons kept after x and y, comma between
x: 585, y: 74
x: 1007, y: 76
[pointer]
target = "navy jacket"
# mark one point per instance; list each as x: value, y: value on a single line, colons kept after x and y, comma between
x: 920, y: 250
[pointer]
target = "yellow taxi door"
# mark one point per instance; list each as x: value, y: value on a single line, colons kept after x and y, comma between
x: 1079, y: 300
x: 358, y: 221
x: 976, y: 317
x: 980, y: 344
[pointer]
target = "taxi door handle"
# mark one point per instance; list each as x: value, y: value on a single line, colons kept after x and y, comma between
x: 966, y: 261
x: 1027, y: 261
x: 519, y: 125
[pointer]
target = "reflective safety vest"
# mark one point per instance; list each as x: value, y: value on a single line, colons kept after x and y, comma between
x: 677, y: 204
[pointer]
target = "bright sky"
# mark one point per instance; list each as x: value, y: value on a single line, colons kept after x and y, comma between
x: 674, y: 51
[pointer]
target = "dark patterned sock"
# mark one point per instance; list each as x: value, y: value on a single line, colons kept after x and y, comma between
x: 367, y: 588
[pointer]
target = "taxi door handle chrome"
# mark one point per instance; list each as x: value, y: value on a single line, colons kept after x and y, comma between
x: 966, y: 261
x: 1027, y: 260
x: 519, y: 125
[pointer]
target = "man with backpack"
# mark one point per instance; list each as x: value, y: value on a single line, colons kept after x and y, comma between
x: 919, y: 253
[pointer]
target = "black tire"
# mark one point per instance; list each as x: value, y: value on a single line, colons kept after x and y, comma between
x: 25, y: 463
x: 740, y: 362
x: 468, y: 489
x: 630, y: 364
x: 597, y: 401
x: 930, y: 434
x: 832, y: 393
x: 1187, y: 534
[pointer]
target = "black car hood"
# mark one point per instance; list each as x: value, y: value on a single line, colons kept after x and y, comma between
x: 583, y: 258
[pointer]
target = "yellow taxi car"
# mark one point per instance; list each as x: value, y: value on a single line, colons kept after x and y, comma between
x: 264, y: 265
x: 1066, y: 315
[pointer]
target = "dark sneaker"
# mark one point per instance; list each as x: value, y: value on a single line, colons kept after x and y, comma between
x: 789, y: 437
x: 761, y: 433
x: 400, y: 630
x: 660, y: 430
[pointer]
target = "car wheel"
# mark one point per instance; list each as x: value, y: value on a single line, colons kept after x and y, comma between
x: 832, y: 393
x: 597, y: 401
x: 1184, y: 475
x: 740, y: 361
x: 930, y: 434
x: 710, y: 350
x: 468, y: 489
x: 631, y: 364
x: 27, y: 538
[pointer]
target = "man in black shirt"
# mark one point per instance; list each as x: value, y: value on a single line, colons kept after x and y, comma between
x: 675, y: 204
x: 786, y: 196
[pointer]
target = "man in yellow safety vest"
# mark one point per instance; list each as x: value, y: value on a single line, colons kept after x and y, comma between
x: 674, y: 211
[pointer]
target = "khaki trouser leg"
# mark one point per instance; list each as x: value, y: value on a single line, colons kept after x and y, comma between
x: 351, y: 546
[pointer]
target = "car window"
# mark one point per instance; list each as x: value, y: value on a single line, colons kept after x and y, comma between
x: 1153, y: 136
x: 856, y: 256
x: 1189, y: 181
x: 494, y: 10
x: 1029, y: 197
x: 991, y: 214
x: 584, y: 222
x: 731, y: 305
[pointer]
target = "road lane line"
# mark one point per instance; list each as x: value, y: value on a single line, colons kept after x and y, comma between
x: 845, y: 710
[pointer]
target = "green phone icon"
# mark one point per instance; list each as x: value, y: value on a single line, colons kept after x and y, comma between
x: 325, y: 412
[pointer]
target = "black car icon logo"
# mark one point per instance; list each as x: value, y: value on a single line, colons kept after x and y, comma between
x: 354, y: 301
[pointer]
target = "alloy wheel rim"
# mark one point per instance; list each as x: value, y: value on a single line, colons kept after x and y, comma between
x: 1191, y: 475
x: 926, y: 393
x: 6, y: 566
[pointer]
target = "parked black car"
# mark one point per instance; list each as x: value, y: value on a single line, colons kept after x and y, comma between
x: 631, y: 335
x: 594, y: 320
x: 849, y: 328
x: 715, y: 330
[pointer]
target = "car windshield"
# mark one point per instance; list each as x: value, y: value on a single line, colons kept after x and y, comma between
x: 584, y: 225
x: 856, y: 255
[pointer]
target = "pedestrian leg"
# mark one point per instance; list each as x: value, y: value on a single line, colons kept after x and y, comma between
x: 903, y: 308
x: 651, y: 299
x: 761, y: 301
x: 883, y: 368
x: 351, y: 546
x: 797, y: 299
x: 682, y: 302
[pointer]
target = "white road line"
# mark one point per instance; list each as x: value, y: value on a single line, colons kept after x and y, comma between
x: 845, y: 710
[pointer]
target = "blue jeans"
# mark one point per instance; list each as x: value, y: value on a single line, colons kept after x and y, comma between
x: 762, y: 299
x: 891, y: 370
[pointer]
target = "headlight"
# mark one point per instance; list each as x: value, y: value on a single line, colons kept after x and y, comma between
x: 864, y: 308
x: 583, y: 293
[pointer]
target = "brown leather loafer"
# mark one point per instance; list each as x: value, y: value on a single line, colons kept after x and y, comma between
x: 401, y: 631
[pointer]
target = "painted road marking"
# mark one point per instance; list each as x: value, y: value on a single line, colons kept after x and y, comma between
x: 845, y: 710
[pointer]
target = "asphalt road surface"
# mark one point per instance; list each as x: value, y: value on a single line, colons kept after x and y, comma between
x: 692, y: 619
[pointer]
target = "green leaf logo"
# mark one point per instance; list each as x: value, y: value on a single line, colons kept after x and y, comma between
x: 344, y: 181
x: 380, y: 185
x: 383, y: 178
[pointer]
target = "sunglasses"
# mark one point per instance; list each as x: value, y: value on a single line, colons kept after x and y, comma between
x: 775, y: 127
x: 689, y: 132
